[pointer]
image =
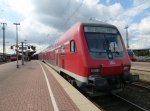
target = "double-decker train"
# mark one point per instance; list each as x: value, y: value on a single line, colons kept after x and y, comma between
x: 91, y: 56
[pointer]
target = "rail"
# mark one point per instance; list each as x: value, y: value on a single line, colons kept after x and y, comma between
x: 142, y: 84
x: 141, y: 108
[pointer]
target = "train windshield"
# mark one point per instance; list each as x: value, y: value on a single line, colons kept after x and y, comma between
x: 104, y: 45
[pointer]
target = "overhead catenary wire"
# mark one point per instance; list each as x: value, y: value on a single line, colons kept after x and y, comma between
x: 63, y: 11
x: 69, y: 18
x: 76, y: 10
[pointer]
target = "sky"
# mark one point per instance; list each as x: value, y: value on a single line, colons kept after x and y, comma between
x: 44, y: 21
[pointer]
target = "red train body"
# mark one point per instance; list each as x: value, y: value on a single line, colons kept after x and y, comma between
x: 91, y: 55
x: 13, y: 58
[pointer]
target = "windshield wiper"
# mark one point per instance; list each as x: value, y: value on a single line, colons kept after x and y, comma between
x: 116, y: 52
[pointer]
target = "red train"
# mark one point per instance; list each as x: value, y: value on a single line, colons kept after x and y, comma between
x: 91, y: 56
x: 13, y: 57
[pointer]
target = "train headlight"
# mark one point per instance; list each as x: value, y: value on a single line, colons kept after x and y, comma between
x: 95, y: 70
x: 126, y: 68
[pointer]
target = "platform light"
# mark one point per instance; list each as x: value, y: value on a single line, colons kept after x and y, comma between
x: 17, y: 42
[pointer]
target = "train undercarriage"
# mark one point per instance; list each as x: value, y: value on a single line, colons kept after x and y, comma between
x: 98, y: 85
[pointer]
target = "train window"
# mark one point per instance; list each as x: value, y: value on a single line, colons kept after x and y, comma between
x: 72, y: 46
x: 101, y: 45
x: 62, y: 50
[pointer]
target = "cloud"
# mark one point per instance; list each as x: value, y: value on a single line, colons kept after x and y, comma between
x: 144, y: 26
x: 139, y: 33
x: 115, y: 10
x: 138, y: 2
x: 44, y: 21
x: 56, y: 13
x: 23, y: 7
x: 136, y: 9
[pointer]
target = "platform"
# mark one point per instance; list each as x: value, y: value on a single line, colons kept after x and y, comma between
x: 36, y: 87
x: 142, y: 69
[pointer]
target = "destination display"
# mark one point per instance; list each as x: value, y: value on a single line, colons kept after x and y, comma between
x: 100, y: 29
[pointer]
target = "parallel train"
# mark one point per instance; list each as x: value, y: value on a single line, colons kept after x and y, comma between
x: 131, y: 55
x: 91, y: 56
x: 13, y: 57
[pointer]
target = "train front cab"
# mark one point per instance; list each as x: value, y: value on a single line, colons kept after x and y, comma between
x: 106, y: 56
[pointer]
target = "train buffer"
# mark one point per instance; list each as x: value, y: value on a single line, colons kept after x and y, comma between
x: 36, y: 87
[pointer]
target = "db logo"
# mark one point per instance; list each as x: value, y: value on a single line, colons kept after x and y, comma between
x: 112, y: 62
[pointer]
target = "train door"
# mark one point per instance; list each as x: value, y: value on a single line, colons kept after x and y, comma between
x: 62, y: 56
x: 56, y: 52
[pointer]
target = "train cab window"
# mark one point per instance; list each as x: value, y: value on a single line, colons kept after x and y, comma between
x: 72, y: 46
x: 62, y: 50
x: 101, y: 45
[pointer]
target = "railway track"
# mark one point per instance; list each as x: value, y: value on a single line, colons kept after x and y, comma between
x: 142, y: 84
x: 133, y: 104
x: 114, y: 102
x: 135, y: 97
x: 137, y: 94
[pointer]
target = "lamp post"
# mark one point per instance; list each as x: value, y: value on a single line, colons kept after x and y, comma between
x: 4, y: 51
x: 25, y: 42
x: 127, y: 39
x: 22, y: 53
x: 17, y: 42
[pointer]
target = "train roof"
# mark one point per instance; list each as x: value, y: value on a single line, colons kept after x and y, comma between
x: 78, y: 24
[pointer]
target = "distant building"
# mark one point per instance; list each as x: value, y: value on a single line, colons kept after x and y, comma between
x: 7, y: 57
x: 142, y: 52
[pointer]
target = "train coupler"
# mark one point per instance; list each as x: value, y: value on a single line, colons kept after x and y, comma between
x: 97, y: 82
